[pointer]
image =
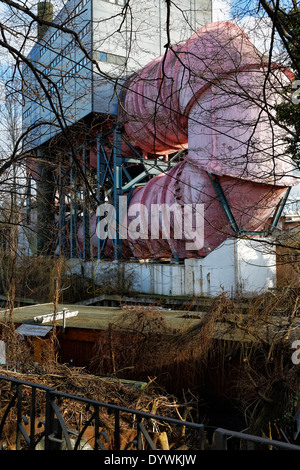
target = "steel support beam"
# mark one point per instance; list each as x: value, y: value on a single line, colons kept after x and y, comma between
x: 45, y: 205
x: 28, y: 200
x: 117, y: 188
x: 230, y: 217
x: 73, y: 208
x: 278, y: 211
x: 224, y: 203
x: 100, y: 182
x: 62, y: 212
x: 85, y: 208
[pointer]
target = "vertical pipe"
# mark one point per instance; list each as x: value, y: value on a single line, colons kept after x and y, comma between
x: 28, y: 200
x: 86, y: 215
x: 19, y: 416
x: 73, y: 208
x: 220, y: 440
x: 98, y: 190
x: 45, y: 206
x: 32, y: 418
x: 45, y: 13
x: 117, y: 189
x: 62, y: 212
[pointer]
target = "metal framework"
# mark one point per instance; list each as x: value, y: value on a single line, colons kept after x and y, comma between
x: 239, y: 231
x: 112, y: 178
x: 57, y: 435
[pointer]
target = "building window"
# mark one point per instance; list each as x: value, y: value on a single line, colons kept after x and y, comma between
x: 116, y: 2
x: 50, y: 41
x: 56, y: 61
x: 112, y: 58
x: 85, y: 30
x: 55, y: 36
x: 103, y: 56
x: 74, y: 70
x: 27, y: 113
x: 80, y: 6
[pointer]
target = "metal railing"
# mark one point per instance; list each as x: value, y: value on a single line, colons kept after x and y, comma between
x: 251, y: 442
x: 57, y: 436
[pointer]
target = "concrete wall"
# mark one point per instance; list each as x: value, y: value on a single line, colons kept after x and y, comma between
x: 237, y: 266
x: 122, y: 46
x: 142, y: 34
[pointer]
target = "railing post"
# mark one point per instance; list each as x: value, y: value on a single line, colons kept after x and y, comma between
x: 96, y: 427
x: 117, y: 430
x: 50, y: 424
x: 220, y: 440
x: 19, y: 415
x: 32, y: 418
x: 139, y: 436
x: 250, y: 445
x: 201, y: 435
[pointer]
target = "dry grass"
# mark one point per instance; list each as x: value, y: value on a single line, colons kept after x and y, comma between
x: 245, y: 342
x: 151, y: 399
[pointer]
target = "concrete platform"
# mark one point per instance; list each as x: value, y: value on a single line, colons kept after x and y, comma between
x: 238, y: 266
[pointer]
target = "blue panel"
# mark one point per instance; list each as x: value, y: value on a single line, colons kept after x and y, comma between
x: 103, y: 56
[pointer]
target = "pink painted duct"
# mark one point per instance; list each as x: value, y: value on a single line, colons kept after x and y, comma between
x: 212, y: 95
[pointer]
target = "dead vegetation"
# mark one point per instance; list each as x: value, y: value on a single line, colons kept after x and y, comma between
x: 35, y: 278
x: 245, y: 345
x: 150, y: 399
x: 240, y: 349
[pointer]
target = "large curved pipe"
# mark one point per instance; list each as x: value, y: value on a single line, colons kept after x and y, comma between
x: 212, y: 95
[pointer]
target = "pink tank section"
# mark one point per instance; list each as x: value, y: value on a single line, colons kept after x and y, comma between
x: 214, y: 96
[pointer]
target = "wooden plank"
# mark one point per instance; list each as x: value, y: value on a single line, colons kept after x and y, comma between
x: 77, y: 334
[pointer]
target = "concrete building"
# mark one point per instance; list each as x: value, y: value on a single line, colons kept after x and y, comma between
x: 79, y: 71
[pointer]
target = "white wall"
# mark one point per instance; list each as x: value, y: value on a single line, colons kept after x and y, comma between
x: 237, y: 266
x: 142, y: 34
x: 138, y: 38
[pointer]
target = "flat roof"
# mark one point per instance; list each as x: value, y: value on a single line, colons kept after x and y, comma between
x: 228, y: 328
x: 99, y: 317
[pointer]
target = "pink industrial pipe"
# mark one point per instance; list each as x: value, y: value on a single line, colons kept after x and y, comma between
x: 207, y: 95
